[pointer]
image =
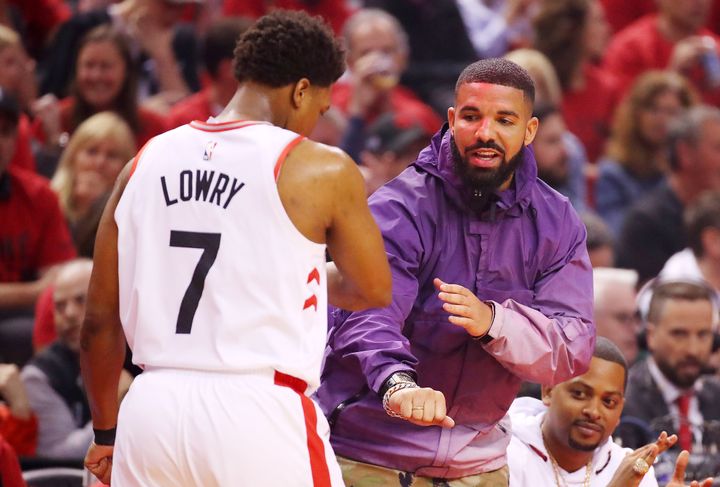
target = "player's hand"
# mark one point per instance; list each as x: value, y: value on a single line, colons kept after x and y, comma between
x: 465, y: 309
x: 678, y: 478
x: 422, y: 406
x: 99, y: 461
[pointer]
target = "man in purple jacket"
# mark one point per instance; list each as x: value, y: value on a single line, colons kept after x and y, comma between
x: 417, y: 392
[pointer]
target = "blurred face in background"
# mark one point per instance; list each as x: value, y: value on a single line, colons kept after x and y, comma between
x: 69, y: 295
x: 681, y: 340
x: 376, y: 46
x: 101, y: 72
x: 550, y: 152
x: 616, y: 318
x: 97, y: 165
x: 655, y: 118
x: 597, y: 31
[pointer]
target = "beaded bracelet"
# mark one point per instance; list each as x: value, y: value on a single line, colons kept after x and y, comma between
x: 393, y: 390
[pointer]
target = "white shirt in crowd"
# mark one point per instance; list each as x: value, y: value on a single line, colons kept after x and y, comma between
x: 530, y: 464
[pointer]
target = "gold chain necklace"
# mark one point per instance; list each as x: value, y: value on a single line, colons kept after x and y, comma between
x: 558, y: 477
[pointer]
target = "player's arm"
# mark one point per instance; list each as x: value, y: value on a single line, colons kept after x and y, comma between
x: 103, y: 344
x: 360, y: 277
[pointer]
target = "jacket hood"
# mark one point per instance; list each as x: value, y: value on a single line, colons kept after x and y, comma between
x: 437, y: 160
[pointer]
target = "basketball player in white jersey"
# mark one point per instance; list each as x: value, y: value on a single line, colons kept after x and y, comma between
x: 210, y: 257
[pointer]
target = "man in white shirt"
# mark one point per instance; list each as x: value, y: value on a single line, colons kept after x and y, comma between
x: 565, y: 439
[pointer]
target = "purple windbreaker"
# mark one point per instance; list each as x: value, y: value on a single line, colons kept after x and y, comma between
x: 526, y: 253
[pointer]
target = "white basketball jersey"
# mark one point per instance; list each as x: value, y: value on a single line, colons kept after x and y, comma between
x: 213, y: 273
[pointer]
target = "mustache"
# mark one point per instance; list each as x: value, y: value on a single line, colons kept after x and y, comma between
x: 690, y: 361
x: 589, y: 424
x: 485, y: 145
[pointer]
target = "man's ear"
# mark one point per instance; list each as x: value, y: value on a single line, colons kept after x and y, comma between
x: 451, y: 118
x: 546, y: 394
x: 531, y: 130
x: 300, y: 92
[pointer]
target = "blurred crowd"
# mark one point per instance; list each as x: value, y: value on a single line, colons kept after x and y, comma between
x: 627, y: 96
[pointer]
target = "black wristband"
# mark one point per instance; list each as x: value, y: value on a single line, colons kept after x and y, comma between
x: 105, y: 437
x: 394, y: 379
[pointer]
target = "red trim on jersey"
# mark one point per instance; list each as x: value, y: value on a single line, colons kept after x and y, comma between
x: 137, y: 159
x: 316, y: 449
x: 284, y: 154
x: 314, y: 276
x: 311, y: 301
x: 223, y: 126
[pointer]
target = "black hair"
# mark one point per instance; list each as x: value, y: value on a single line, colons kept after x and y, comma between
x: 285, y: 46
x: 220, y: 40
x: 605, y: 349
x: 544, y: 109
x: 498, y: 71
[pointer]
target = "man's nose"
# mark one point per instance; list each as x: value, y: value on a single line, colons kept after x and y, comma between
x: 592, y: 409
x: 484, y: 130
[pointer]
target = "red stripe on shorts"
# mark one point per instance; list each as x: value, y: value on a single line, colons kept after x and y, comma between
x: 318, y: 464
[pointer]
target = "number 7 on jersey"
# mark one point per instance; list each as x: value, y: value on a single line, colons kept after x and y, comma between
x: 210, y: 243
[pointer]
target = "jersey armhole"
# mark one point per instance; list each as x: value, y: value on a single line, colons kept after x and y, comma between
x: 283, y: 155
x: 137, y: 157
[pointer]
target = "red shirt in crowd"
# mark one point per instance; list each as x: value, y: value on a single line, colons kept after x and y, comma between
x: 21, y: 434
x: 10, y: 473
x: 195, y: 107
x: 23, y: 157
x: 641, y: 47
x: 33, y: 234
x: 588, y: 112
x: 407, y: 108
x: 335, y: 12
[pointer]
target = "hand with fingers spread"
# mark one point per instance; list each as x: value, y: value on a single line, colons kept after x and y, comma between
x: 637, y: 463
x: 422, y: 406
x: 465, y: 309
x: 678, y: 478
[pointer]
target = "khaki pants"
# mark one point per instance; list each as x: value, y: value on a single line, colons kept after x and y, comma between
x: 357, y: 474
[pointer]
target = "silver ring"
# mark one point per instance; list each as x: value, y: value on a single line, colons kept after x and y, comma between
x: 418, y: 408
x: 640, y: 466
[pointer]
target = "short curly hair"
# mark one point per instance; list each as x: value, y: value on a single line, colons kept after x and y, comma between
x: 498, y: 71
x: 285, y: 46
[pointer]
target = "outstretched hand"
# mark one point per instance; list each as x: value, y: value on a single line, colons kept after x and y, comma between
x: 678, y: 478
x: 465, y: 309
x: 628, y: 474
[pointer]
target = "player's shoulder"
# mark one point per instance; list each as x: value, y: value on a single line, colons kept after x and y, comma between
x: 320, y: 159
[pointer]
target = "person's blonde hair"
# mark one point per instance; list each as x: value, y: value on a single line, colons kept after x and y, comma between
x: 627, y: 145
x: 99, y: 127
x: 547, y: 85
x: 8, y: 37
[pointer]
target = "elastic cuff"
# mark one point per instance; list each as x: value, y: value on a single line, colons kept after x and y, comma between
x: 105, y: 437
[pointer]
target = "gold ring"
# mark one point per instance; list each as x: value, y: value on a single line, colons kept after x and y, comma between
x: 641, y: 466
x: 418, y: 408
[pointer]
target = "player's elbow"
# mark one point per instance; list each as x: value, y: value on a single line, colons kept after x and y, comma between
x: 379, y: 294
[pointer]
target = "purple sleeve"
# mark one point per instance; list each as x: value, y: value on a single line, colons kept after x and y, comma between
x: 553, y: 340
x: 374, y: 337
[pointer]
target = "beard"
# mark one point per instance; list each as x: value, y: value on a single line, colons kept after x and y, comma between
x: 554, y: 178
x: 683, y: 381
x: 580, y: 446
x: 480, y: 181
